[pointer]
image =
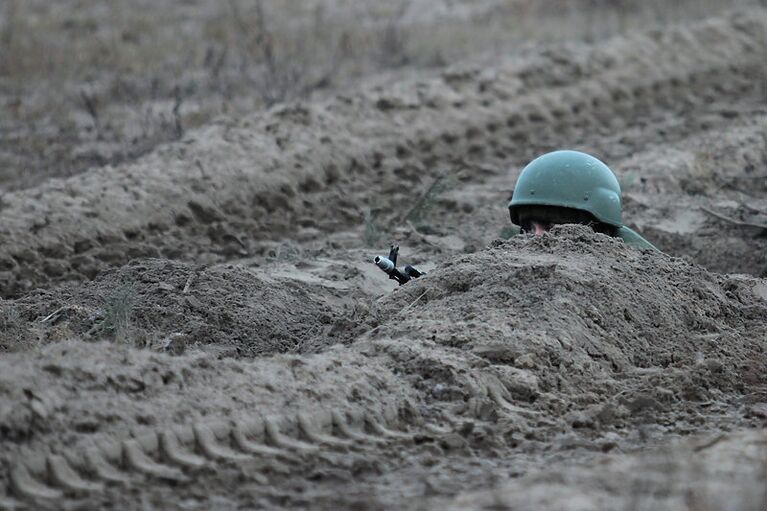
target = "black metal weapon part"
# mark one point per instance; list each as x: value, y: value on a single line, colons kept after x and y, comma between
x: 389, y: 266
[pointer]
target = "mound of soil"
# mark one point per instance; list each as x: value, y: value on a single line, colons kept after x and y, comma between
x: 533, y: 348
x: 579, y: 331
x: 167, y: 305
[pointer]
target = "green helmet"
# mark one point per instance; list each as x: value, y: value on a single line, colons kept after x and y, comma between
x: 569, y: 179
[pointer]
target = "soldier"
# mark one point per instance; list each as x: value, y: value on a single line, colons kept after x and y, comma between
x: 570, y: 187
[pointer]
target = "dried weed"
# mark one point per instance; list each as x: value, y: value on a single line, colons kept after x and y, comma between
x: 115, y: 317
x: 418, y: 214
x: 285, y: 252
x: 372, y: 233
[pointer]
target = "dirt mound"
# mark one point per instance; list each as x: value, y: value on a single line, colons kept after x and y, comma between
x: 581, y: 332
x: 561, y: 345
x: 169, y: 306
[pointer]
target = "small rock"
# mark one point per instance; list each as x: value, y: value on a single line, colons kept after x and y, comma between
x: 175, y: 343
x: 759, y: 410
x: 194, y: 303
x: 454, y: 441
x: 643, y: 402
x: 715, y: 366
x: 38, y: 408
x: 526, y: 361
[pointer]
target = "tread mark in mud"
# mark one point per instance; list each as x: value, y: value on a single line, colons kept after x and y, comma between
x: 173, y: 454
x: 64, y: 476
x: 171, y: 449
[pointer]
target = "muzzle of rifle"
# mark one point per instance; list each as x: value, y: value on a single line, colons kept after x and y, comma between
x: 384, y: 263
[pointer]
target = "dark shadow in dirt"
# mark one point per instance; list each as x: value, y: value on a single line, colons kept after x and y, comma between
x: 725, y: 250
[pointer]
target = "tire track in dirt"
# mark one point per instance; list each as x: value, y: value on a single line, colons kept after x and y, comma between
x: 293, y: 172
x: 99, y: 420
x: 270, y: 445
x: 76, y: 450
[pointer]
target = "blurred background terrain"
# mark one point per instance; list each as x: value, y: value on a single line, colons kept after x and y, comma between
x: 88, y: 83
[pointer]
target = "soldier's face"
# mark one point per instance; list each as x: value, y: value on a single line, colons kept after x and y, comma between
x: 537, y: 220
x: 538, y: 228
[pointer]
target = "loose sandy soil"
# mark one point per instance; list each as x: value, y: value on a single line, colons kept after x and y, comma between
x: 202, y: 327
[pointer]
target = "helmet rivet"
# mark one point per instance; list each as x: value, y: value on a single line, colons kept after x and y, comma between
x: 532, y: 192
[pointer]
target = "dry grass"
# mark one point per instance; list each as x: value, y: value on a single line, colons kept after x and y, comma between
x: 418, y: 215
x: 372, y: 234
x: 115, y: 318
x: 14, y: 330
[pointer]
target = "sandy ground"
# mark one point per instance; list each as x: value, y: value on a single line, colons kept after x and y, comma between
x: 202, y: 327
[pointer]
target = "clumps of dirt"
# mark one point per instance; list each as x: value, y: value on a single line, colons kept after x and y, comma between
x: 170, y: 306
x: 576, y: 331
